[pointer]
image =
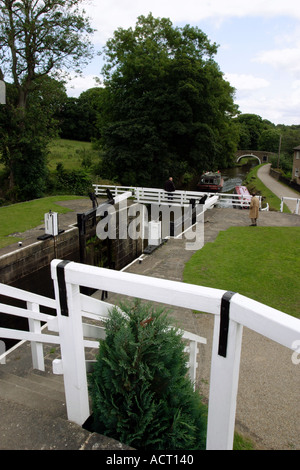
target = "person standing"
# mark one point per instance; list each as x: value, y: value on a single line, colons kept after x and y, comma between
x: 169, y: 187
x: 254, y: 209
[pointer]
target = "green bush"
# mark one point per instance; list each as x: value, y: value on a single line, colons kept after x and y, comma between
x: 141, y: 394
x: 69, y: 181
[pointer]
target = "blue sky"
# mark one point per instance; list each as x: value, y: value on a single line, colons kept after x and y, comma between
x: 259, y: 46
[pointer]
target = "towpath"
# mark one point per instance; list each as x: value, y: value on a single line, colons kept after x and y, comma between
x: 279, y: 189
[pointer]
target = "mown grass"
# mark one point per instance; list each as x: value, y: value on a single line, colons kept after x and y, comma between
x: 26, y: 215
x: 261, y: 263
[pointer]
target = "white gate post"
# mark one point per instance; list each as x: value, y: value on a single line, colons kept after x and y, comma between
x: 72, y: 344
x: 224, y: 381
x: 37, y: 350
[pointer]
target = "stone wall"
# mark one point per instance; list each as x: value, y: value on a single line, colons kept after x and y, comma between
x: 26, y: 260
x: 31, y: 258
x: 279, y: 177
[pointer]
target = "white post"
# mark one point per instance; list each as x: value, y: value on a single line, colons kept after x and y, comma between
x: 2, y: 352
x: 281, y: 205
x: 2, y: 92
x: 223, y: 388
x: 37, y: 351
x: 72, y: 345
x: 193, y: 362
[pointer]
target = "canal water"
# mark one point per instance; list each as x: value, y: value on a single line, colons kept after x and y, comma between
x: 235, y: 176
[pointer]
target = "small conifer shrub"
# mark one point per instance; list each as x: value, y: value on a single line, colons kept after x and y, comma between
x: 140, y: 391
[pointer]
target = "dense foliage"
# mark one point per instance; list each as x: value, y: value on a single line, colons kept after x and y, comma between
x: 256, y: 133
x: 79, y: 116
x: 140, y: 392
x: 167, y: 108
x: 37, y: 38
x: 25, y: 134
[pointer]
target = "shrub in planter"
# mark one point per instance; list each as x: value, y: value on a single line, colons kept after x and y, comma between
x: 141, y: 393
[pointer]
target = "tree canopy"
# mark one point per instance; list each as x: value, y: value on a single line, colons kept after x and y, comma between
x: 38, y: 39
x: 167, y: 108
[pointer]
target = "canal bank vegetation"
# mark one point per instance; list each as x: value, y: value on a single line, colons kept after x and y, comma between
x: 261, y: 263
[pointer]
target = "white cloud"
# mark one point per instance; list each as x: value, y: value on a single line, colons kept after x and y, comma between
x: 249, y: 62
x: 78, y: 84
x: 279, y: 109
x: 287, y: 59
x: 246, y: 82
x: 108, y: 15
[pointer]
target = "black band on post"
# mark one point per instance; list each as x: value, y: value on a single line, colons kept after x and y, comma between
x: 224, y: 323
x: 60, y: 270
x: 110, y: 197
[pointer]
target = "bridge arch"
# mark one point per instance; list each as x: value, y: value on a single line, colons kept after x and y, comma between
x: 260, y: 155
x: 249, y: 155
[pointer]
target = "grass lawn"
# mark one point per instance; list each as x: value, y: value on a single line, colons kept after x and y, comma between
x: 260, y: 263
x: 71, y: 154
x: 27, y: 215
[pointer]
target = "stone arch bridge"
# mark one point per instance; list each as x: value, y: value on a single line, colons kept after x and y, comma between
x: 261, y: 155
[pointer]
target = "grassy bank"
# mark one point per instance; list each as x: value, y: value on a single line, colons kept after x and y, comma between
x: 72, y: 154
x: 17, y: 218
x: 262, y: 264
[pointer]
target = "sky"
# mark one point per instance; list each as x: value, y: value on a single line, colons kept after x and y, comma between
x: 259, y: 46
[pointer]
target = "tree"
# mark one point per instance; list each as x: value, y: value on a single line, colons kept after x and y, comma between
x: 251, y: 126
x: 269, y: 140
x: 167, y: 108
x: 79, y: 116
x: 37, y: 38
x: 141, y: 393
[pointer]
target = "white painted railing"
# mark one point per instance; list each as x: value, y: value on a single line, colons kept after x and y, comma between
x: 72, y: 334
x: 181, y: 198
x: 232, y: 312
x: 31, y: 311
x: 236, y: 201
x: 297, y: 201
x: 152, y: 195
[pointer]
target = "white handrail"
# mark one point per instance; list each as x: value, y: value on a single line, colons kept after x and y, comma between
x: 35, y: 318
x: 290, y: 199
x: 267, y: 321
x: 180, y: 198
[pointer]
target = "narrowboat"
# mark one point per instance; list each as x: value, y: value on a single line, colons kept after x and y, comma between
x: 244, y: 196
x: 211, y: 182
